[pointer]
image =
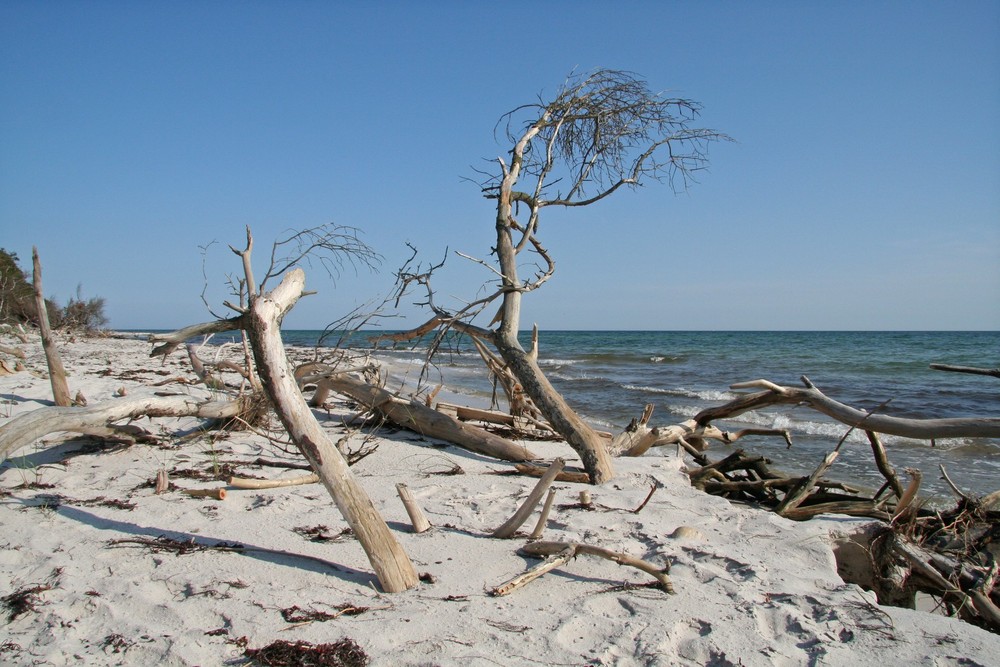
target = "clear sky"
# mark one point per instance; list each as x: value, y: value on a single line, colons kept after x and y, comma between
x: 862, y: 192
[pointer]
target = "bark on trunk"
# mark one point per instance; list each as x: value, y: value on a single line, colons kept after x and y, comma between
x: 584, y: 440
x: 391, y: 564
x: 57, y: 373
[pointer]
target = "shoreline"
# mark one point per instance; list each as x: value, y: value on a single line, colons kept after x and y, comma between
x: 751, y: 588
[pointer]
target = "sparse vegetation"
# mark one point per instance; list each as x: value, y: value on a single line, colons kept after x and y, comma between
x: 17, y: 303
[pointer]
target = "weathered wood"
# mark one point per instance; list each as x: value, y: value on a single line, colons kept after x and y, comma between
x: 528, y: 506
x: 921, y: 429
x: 244, y: 483
x: 564, y: 420
x: 29, y: 427
x: 12, y: 351
x: 883, y: 465
x: 795, y: 497
x: 548, y: 548
x: 57, y: 372
x: 418, y: 417
x: 550, y: 563
x: 210, y: 380
x: 391, y: 564
x: 217, y: 493
x: 417, y: 518
x: 692, y: 435
x: 171, y: 341
x: 564, y: 476
x: 543, y: 518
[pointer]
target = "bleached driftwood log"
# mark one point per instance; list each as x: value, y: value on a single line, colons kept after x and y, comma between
x: 100, y: 419
x: 417, y: 417
x: 391, y: 564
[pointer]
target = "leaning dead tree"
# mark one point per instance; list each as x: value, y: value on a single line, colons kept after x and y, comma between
x: 57, y: 373
x: 601, y: 132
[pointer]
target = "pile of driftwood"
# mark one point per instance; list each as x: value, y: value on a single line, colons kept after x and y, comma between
x: 952, y: 555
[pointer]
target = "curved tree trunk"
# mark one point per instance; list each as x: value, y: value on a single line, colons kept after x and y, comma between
x: 390, y: 562
x: 920, y: 429
x: 583, y: 439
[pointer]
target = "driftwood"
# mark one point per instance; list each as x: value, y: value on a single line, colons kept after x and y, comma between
x: 244, y: 483
x: 560, y: 553
x: 391, y: 564
x: 921, y: 429
x: 945, y: 554
x: 171, y: 341
x: 12, y: 351
x: 415, y: 416
x: 528, y: 506
x: 417, y: 519
x: 638, y: 438
x: 563, y: 476
x: 211, y: 381
x: 57, y: 373
x: 99, y: 419
x: 543, y: 518
x: 522, y: 424
x: 217, y: 494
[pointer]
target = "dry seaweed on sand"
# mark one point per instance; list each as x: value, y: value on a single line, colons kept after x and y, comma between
x: 295, y: 614
x: 180, y: 547
x: 342, y: 653
x: 21, y: 602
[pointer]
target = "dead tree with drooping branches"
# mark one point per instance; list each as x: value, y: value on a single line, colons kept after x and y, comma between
x: 601, y: 132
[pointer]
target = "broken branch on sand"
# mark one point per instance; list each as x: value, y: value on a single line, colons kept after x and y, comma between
x: 560, y: 553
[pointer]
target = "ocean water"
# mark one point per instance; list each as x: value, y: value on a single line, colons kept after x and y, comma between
x: 608, y: 376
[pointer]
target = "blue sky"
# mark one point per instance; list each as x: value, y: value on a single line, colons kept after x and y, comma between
x: 862, y: 192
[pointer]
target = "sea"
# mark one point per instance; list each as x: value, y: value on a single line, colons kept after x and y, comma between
x: 609, y: 376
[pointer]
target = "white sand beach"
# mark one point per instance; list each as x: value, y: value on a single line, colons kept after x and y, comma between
x: 79, y: 520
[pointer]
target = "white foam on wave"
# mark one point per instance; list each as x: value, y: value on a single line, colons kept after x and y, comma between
x: 711, y: 395
x: 558, y: 362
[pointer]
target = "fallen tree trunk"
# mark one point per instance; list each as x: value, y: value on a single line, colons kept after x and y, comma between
x: 417, y: 417
x: 391, y: 564
x: 29, y: 427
